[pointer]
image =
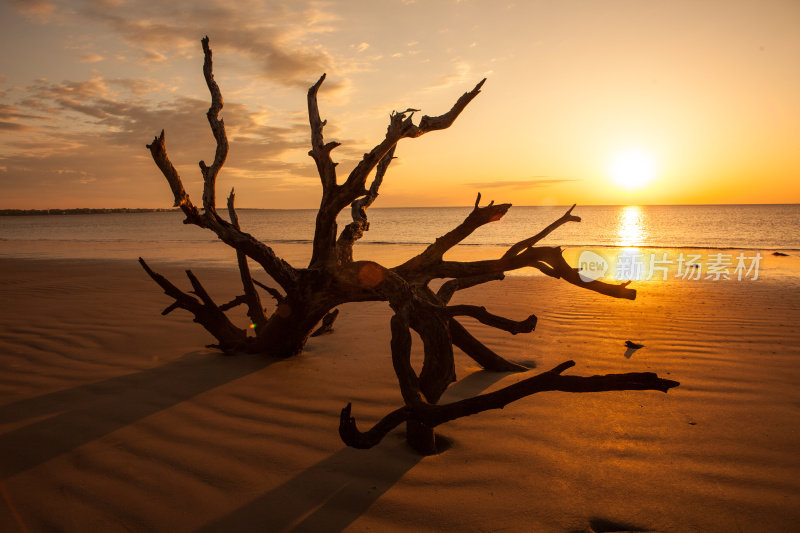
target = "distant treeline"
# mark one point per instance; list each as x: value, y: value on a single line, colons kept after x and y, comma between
x: 79, y: 211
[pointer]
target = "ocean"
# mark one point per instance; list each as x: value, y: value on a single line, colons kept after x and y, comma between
x: 399, y: 233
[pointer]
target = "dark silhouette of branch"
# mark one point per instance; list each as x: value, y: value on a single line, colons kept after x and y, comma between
x: 320, y: 151
x: 479, y: 352
x: 358, y: 209
x: 275, y: 293
x: 218, y: 128
x: 433, y: 254
x: 545, y: 258
x: 206, y: 312
x: 482, y: 315
x: 255, y: 309
x: 530, y: 241
x: 231, y: 235
x: 552, y: 380
x: 448, y: 288
x: 337, y: 197
x: 429, y: 264
x: 401, y: 126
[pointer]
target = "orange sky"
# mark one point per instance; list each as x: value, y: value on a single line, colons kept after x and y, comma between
x: 708, y: 91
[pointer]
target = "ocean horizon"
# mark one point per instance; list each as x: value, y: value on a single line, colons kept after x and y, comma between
x: 398, y: 233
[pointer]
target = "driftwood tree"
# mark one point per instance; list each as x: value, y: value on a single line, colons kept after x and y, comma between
x: 308, y: 295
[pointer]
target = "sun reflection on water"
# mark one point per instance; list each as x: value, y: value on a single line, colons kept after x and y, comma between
x: 631, y: 227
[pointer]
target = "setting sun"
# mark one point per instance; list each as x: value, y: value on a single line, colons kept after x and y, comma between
x: 632, y: 169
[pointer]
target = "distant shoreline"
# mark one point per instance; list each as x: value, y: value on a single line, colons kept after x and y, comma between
x: 104, y: 210
x: 82, y: 211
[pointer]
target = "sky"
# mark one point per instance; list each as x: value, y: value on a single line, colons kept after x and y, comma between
x: 588, y: 102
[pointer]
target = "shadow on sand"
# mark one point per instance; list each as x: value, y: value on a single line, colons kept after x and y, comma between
x: 337, y: 490
x: 82, y: 414
x: 602, y: 525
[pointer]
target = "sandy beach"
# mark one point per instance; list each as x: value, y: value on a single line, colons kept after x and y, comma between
x: 114, y: 418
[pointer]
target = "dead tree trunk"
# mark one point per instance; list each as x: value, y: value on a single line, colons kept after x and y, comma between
x: 307, y: 295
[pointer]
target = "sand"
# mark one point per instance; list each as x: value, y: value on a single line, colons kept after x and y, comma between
x: 114, y: 418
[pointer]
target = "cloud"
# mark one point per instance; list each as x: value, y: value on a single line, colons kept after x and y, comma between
x: 12, y: 112
x: 90, y: 134
x: 277, y: 37
x: 138, y: 87
x: 460, y: 75
x: 83, y: 97
x: 13, y: 126
x: 91, y: 58
x: 38, y: 8
x: 152, y: 56
x: 520, y: 184
x: 94, y: 132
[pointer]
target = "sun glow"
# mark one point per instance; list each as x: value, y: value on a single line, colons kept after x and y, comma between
x: 632, y: 169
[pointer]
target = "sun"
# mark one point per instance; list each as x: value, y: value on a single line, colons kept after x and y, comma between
x: 632, y: 169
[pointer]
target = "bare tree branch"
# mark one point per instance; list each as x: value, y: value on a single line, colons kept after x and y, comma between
x: 401, y: 360
x: 205, y: 311
x: 239, y: 300
x: 158, y: 150
x: 182, y: 300
x: 479, y: 352
x: 401, y: 127
x: 218, y: 128
x: 434, y: 253
x: 547, y: 259
x: 351, y: 436
x: 552, y: 380
x: 275, y: 293
x: 255, y: 310
x: 462, y: 338
x: 485, y: 317
x: 320, y: 151
x: 358, y: 209
x: 526, y: 243
x: 429, y: 264
x: 276, y: 267
x: 438, y: 364
x: 448, y: 288
x: 337, y: 197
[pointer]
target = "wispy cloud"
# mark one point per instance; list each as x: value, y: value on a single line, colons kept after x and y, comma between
x: 36, y: 8
x: 91, y: 58
x: 278, y: 36
x: 13, y: 126
x: 13, y: 113
x: 72, y: 127
x: 460, y: 73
